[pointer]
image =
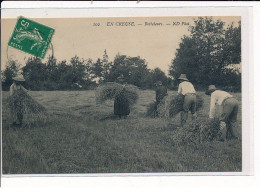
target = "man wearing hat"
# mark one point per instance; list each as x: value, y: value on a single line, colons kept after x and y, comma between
x: 187, y: 89
x: 229, y: 110
x: 161, y: 92
x: 17, y: 80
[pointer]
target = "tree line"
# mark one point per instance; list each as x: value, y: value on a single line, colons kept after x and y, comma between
x: 207, y: 56
x: 81, y: 74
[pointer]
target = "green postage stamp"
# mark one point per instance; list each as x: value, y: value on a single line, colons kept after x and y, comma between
x: 31, y: 37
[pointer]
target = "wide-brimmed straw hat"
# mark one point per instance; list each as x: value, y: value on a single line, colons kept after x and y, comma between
x: 210, y: 89
x: 19, y: 78
x: 183, y: 77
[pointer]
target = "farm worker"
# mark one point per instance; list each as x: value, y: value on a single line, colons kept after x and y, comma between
x: 161, y: 92
x: 187, y: 90
x: 17, y: 81
x: 229, y: 110
x: 121, y: 103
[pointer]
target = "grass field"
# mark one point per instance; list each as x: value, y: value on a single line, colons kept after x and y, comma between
x: 82, y: 137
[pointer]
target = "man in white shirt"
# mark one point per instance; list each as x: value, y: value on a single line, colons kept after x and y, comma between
x: 187, y: 89
x: 18, y: 118
x: 229, y: 110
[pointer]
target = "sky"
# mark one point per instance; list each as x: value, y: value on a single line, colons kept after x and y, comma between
x: 89, y: 37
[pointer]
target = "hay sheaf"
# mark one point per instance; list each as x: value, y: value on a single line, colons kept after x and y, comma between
x: 176, y: 104
x: 32, y: 111
x: 109, y: 90
x: 151, y: 110
x: 197, y: 131
x: 171, y: 105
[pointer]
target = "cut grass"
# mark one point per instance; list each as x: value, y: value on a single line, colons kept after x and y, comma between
x: 81, y: 137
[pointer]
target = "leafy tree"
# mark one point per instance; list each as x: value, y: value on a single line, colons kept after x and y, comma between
x: 106, y: 64
x: 51, y: 70
x: 101, y: 68
x: 206, y: 54
x: 232, y: 45
x: 155, y: 76
x: 97, y: 69
x: 83, y: 74
x: 134, y: 70
x: 10, y: 71
x: 54, y: 75
x: 186, y: 61
x: 35, y: 73
x: 75, y: 75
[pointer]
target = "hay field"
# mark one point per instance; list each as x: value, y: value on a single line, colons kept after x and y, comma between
x: 82, y: 137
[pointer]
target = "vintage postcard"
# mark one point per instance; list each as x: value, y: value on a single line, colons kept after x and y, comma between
x: 95, y: 95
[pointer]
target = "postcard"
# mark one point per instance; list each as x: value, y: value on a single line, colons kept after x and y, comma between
x: 153, y: 95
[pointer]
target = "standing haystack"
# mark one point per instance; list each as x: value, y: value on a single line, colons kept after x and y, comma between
x: 21, y: 103
x: 109, y: 90
x: 152, y: 110
x: 163, y: 107
x: 159, y: 110
x: 171, y: 105
x: 197, y: 131
x: 176, y: 104
x: 124, y: 96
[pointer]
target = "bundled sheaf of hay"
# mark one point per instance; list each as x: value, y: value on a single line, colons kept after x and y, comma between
x: 163, y: 108
x: 160, y: 110
x: 176, y: 104
x: 109, y: 90
x: 171, y: 105
x: 31, y: 110
x: 197, y: 131
x: 151, y: 109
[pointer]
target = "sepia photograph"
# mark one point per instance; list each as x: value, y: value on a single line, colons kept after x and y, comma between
x: 121, y: 95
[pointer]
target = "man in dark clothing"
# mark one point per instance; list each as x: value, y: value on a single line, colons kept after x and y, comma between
x: 161, y: 92
x: 121, y: 103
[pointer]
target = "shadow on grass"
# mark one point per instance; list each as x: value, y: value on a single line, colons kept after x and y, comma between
x: 109, y: 117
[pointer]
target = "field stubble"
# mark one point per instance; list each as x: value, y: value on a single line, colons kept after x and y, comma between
x: 82, y: 137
